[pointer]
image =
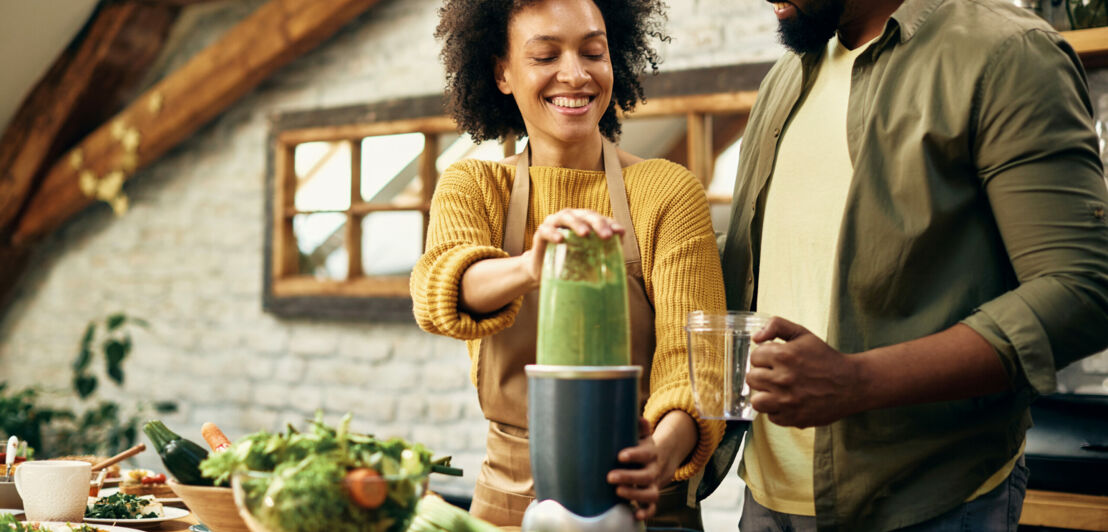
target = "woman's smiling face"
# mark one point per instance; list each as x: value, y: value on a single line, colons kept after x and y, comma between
x: 558, y: 69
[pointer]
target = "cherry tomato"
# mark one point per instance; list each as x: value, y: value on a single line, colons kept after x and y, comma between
x: 366, y: 487
x: 154, y: 479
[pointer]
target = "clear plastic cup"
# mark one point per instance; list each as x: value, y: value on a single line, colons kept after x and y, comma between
x: 720, y: 344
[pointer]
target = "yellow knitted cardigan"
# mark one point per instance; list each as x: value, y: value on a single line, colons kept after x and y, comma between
x: 680, y: 261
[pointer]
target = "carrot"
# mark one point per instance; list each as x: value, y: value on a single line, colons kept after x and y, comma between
x: 215, y: 437
x: 366, y: 487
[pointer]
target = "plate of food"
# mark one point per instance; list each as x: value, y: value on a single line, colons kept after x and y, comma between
x: 143, y: 482
x: 8, y: 522
x: 130, y: 510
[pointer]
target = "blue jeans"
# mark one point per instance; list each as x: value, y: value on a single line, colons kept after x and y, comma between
x: 997, y: 510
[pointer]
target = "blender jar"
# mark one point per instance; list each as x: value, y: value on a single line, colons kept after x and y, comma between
x: 583, y: 315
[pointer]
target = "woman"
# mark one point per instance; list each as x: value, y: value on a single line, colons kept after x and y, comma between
x: 555, y: 70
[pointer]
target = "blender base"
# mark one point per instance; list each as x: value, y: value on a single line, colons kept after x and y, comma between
x: 550, y: 516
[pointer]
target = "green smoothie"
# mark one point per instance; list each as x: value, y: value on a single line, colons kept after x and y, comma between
x: 583, y: 317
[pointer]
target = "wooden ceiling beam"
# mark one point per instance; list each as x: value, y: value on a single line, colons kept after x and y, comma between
x: 92, y: 80
x: 179, y: 3
x: 168, y: 113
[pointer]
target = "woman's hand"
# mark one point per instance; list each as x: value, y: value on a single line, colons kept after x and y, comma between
x: 641, y: 485
x: 580, y: 221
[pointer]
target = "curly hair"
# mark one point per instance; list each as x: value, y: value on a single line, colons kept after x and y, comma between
x: 475, y: 36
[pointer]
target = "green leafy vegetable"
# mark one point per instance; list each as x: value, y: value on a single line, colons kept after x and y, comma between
x: 120, y: 506
x: 303, y: 474
x: 9, y: 522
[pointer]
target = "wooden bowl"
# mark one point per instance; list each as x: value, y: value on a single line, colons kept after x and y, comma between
x: 215, y: 507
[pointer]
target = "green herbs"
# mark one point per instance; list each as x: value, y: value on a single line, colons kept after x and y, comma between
x: 9, y: 522
x: 120, y: 506
x: 301, y: 477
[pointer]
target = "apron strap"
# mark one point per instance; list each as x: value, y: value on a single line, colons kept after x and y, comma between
x: 516, y: 220
x: 617, y: 195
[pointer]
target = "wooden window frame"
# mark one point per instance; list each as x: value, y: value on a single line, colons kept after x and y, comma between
x: 695, y: 94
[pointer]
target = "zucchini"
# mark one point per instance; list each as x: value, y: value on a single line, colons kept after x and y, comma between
x: 180, y: 456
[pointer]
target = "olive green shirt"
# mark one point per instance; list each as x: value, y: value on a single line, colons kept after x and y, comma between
x: 977, y: 197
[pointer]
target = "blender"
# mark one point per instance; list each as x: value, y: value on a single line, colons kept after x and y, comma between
x: 583, y: 393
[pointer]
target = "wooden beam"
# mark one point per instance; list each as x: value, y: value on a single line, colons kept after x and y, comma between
x: 376, y: 286
x: 716, y: 103
x: 1065, y: 510
x: 353, y: 220
x: 726, y: 129
x: 428, y: 178
x: 179, y: 3
x: 1090, y: 44
x: 275, y: 34
x: 286, y: 254
x: 92, y: 80
x: 700, y: 148
x: 427, y: 125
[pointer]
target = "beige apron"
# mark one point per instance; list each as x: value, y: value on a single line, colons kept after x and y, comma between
x: 504, y: 485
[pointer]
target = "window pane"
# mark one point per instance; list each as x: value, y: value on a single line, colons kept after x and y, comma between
x: 322, y: 176
x: 391, y: 242
x: 463, y: 147
x: 654, y: 136
x: 389, y: 164
x: 321, y: 240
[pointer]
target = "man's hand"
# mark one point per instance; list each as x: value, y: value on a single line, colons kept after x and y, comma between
x: 802, y: 382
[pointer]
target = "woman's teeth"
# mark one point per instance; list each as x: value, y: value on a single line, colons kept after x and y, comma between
x: 562, y: 101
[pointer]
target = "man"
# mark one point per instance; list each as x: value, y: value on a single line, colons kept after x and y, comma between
x: 920, y: 186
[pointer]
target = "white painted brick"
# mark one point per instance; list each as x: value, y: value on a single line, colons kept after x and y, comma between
x: 1097, y: 363
x: 221, y: 415
x: 413, y: 347
x: 267, y: 338
x: 442, y: 377
x: 256, y: 418
x: 365, y: 405
x: 396, y: 376
x: 443, y: 408
x: 305, y: 399
x: 289, y: 369
x: 477, y: 436
x: 258, y: 368
x: 411, y: 408
x: 1097, y: 389
x: 402, y: 431
x: 313, y: 341
x: 433, y: 437
x: 237, y: 391
x: 273, y: 395
x: 339, y: 371
x: 365, y: 346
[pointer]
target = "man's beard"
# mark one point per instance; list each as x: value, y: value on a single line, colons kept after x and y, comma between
x: 809, y: 33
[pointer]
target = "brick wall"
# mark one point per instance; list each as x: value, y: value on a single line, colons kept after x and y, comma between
x: 187, y: 258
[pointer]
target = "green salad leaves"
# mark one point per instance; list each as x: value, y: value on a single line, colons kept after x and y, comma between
x: 120, y: 506
x: 296, y: 481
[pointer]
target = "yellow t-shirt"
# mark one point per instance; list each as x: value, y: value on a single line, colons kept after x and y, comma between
x: 800, y: 234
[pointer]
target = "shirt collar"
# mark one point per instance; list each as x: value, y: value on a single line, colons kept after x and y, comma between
x: 911, y: 15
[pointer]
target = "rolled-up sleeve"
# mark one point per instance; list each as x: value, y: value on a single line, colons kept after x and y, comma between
x: 1038, y: 158
x: 459, y: 234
